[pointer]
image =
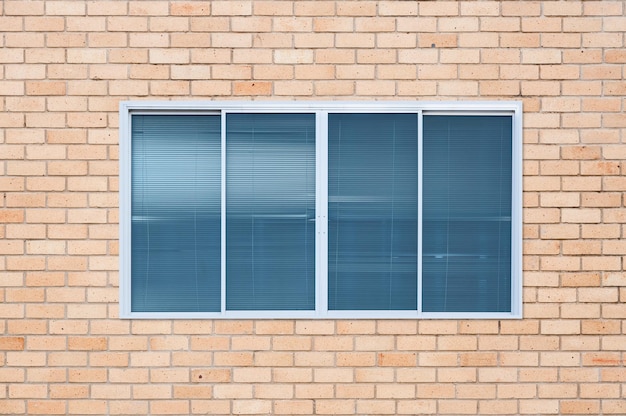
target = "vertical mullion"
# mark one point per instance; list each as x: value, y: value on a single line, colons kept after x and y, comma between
x: 223, y: 213
x: 420, y: 136
x: 321, y: 209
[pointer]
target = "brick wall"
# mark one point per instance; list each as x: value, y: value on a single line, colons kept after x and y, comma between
x: 64, y: 67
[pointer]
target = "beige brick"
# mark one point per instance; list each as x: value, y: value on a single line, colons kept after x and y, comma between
x: 479, y: 40
x: 210, y: 88
x: 46, y: 407
x: 239, y: 391
x: 69, y: 392
x: 293, y: 407
x: 45, y: 88
x: 11, y: 24
x: 500, y: 24
x: 376, y: 406
x: 324, y: 24
x: 445, y: 8
x: 252, y: 375
x: 439, y: 391
x: 213, y: 343
x: 486, y: 9
x: 293, y: 88
x: 24, y: 39
x: 560, y: 72
x: 613, y: 406
x: 47, y: 375
x: 335, y: 407
x: 456, y: 56
x: 270, y: 8
x: 252, y: 88
x: 456, y: 88
x: 34, y: 391
x: 293, y: 375
x: 499, y: 88
x: 357, y: 72
x: 19, y: 8
x: 580, y: 407
x: 349, y: 40
x: 582, y: 343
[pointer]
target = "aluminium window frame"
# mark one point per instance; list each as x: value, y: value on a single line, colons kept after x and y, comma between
x: 321, y: 109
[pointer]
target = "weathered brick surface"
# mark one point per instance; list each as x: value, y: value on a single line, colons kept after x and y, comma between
x: 64, y: 67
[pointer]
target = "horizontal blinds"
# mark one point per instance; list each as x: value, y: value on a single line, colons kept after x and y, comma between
x: 466, y: 238
x: 372, y: 209
x: 270, y: 212
x: 175, y: 213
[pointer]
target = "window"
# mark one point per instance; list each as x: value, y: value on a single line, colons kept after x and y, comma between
x: 320, y: 210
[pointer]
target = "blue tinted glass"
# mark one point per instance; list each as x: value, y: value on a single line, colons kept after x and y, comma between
x: 175, y: 221
x: 467, y: 194
x: 372, y: 209
x: 270, y: 212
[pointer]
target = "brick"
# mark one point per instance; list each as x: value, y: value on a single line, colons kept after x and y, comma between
x: 69, y: 392
x: 293, y: 407
x: 34, y: 391
x: 252, y: 88
x: 499, y: 88
x: 445, y: 8
x: 293, y: 88
x: 241, y: 391
x: 45, y: 88
x: 500, y: 24
x: 46, y: 407
x: 12, y: 343
x: 349, y: 40
x: 613, y: 406
x: 87, y: 343
x: 455, y: 88
x: 47, y: 375
x: 335, y: 407
x: 580, y: 407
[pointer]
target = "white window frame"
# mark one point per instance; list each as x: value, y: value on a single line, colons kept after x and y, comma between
x: 321, y: 109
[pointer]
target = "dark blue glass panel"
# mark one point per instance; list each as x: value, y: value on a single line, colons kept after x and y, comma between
x: 175, y: 225
x: 270, y: 212
x: 467, y: 199
x: 372, y: 208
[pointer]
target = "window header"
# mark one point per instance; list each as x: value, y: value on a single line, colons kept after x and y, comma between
x: 333, y: 106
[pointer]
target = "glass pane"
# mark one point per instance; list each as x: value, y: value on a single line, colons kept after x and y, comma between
x: 372, y: 209
x: 467, y: 180
x: 270, y: 212
x: 175, y: 213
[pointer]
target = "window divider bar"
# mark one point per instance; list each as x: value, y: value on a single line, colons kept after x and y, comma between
x: 420, y: 124
x: 321, y: 212
x: 223, y: 213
